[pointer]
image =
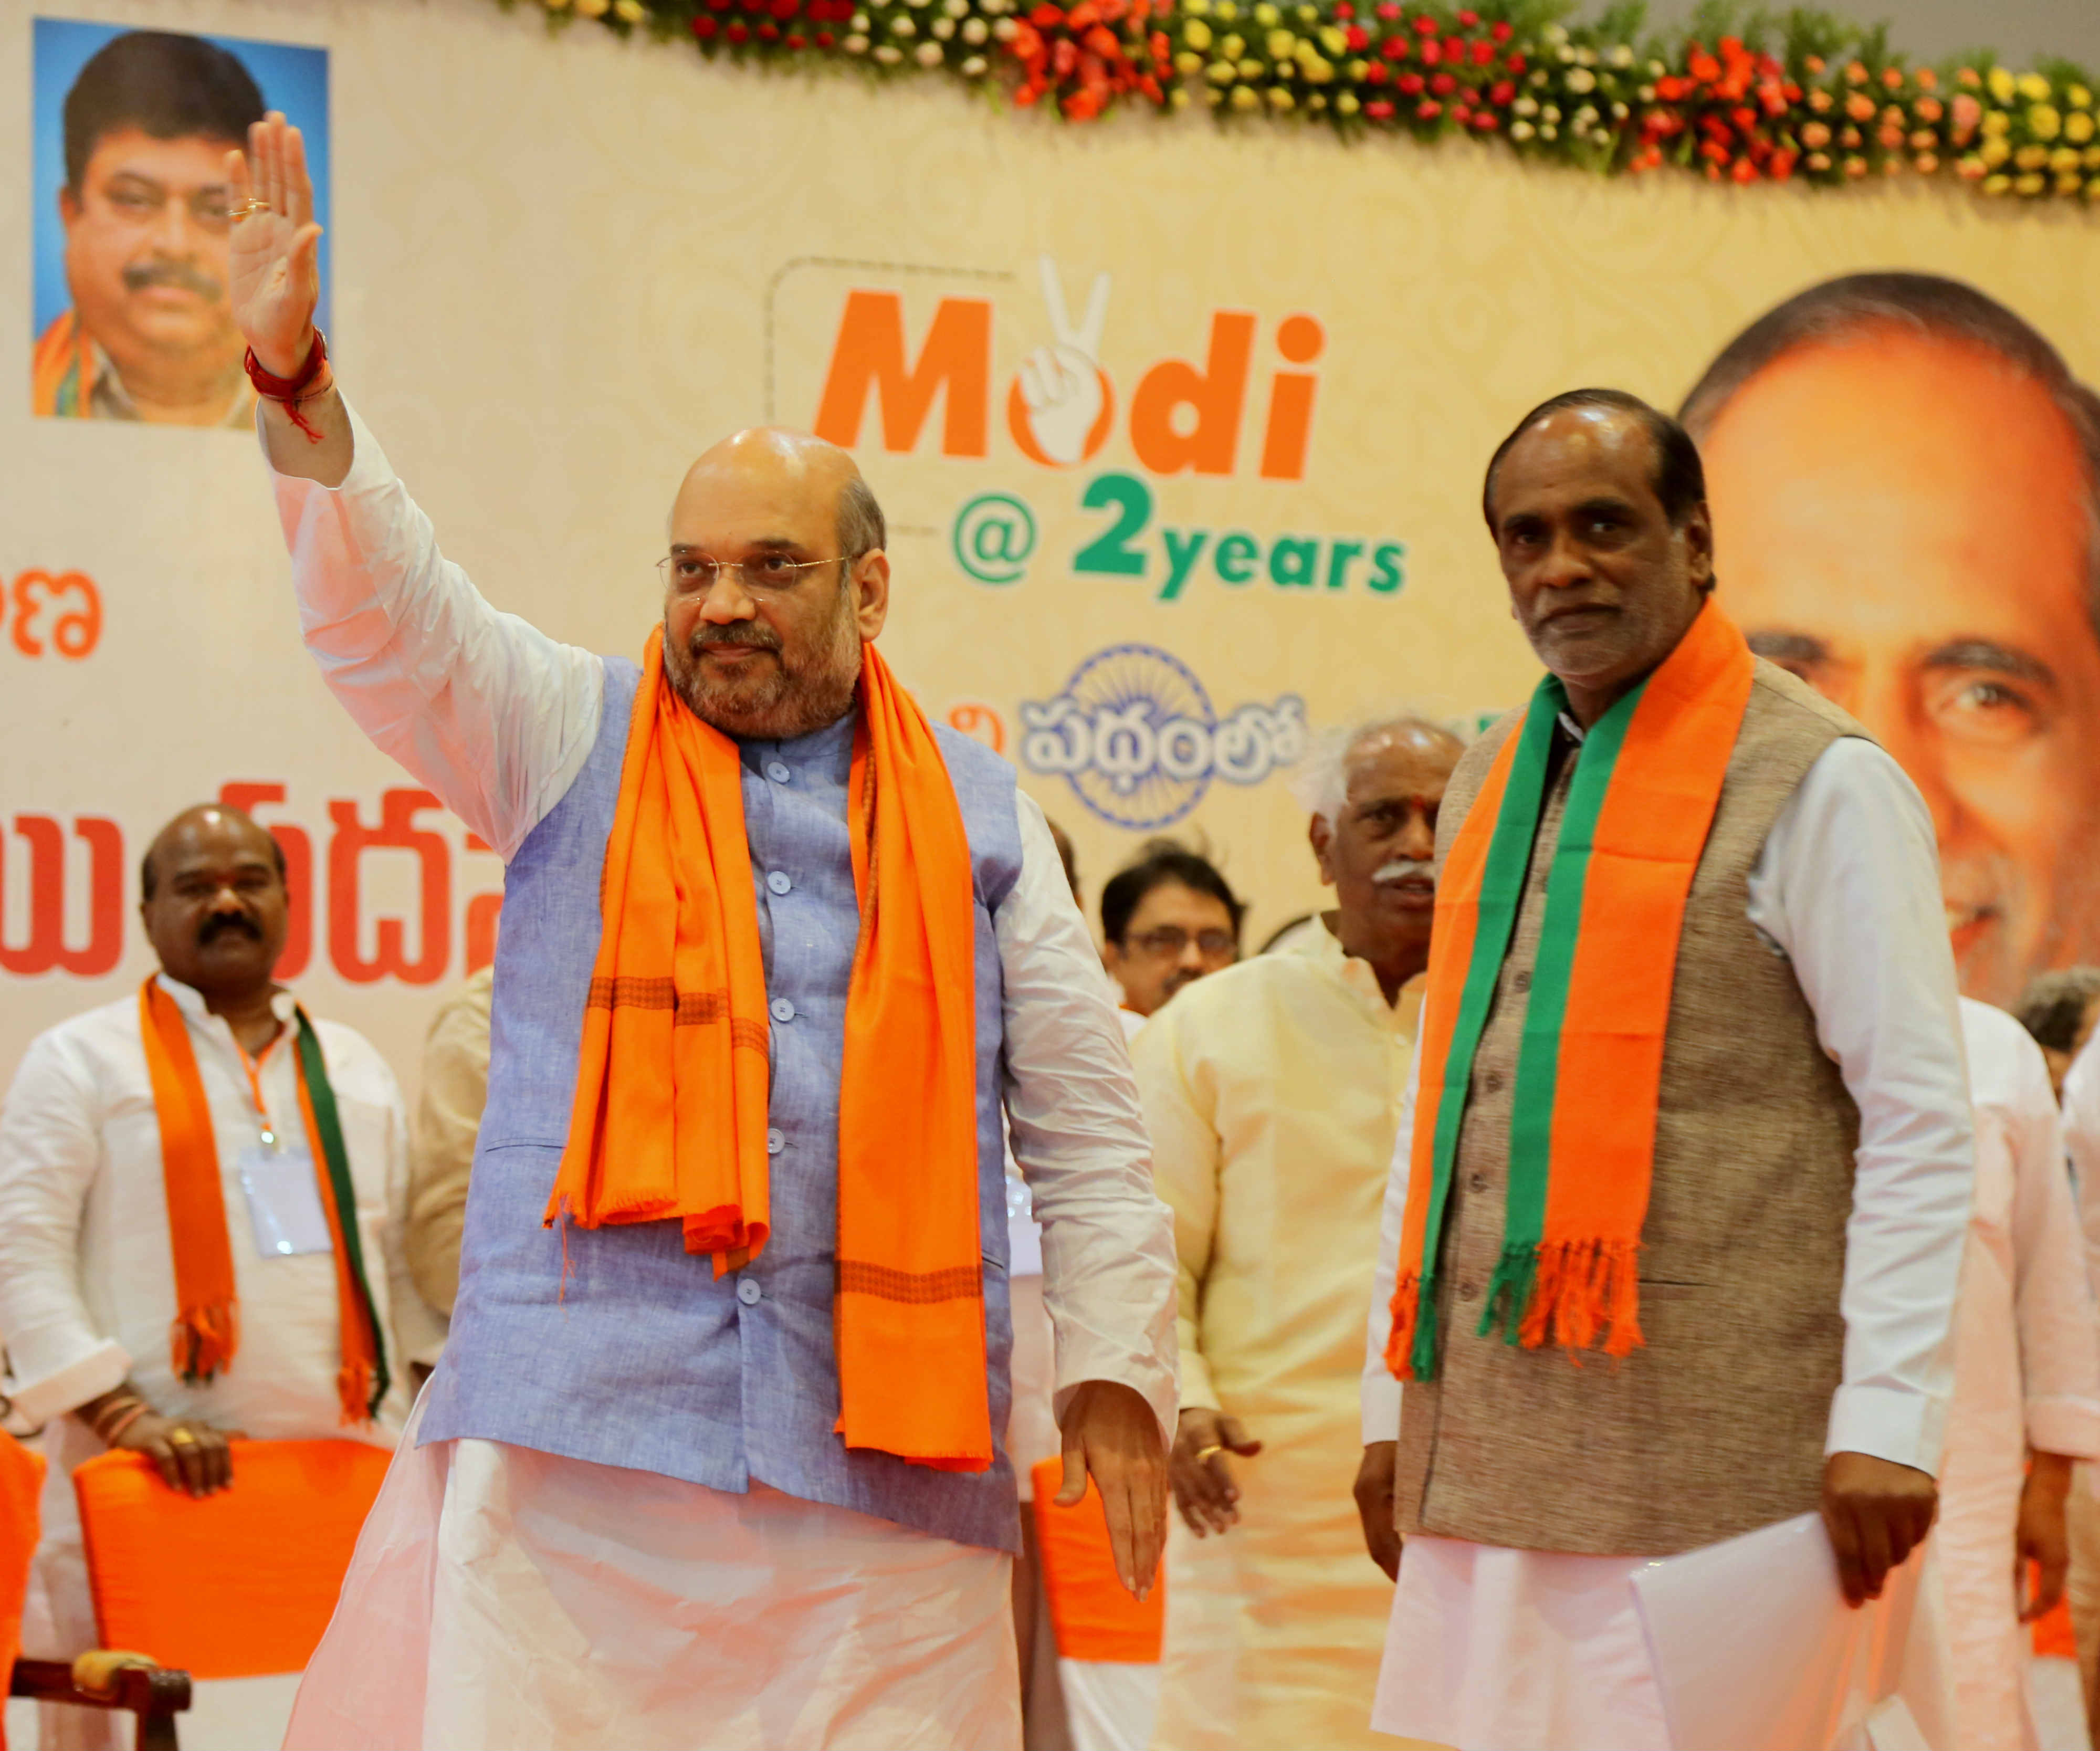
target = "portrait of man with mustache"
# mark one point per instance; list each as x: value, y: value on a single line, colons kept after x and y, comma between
x: 150, y: 334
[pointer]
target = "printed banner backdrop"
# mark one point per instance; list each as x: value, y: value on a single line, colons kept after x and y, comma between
x: 1180, y: 428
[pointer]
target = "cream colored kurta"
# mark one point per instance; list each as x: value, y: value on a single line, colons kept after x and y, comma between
x: 1272, y: 1091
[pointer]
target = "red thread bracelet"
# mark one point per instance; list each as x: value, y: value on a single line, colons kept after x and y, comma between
x: 286, y: 389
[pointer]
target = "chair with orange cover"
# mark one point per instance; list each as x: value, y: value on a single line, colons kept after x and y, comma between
x: 1108, y: 1642
x: 100, y: 1678
x: 235, y: 1585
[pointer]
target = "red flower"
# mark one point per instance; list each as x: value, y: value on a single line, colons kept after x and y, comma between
x: 1482, y: 53
x: 1703, y: 67
x: 737, y: 31
x: 1395, y: 48
x: 1047, y: 17
x: 1429, y: 109
x: 705, y: 27
x: 1516, y: 63
x: 1377, y: 74
x: 1503, y: 30
x: 1359, y: 38
x: 1410, y: 83
x: 769, y: 33
x: 1485, y: 121
x: 1671, y: 89
x: 1443, y: 85
x: 1454, y: 48
x: 1781, y: 166
x: 786, y: 9
x: 1425, y: 26
x: 1745, y: 171
x: 1467, y: 19
x: 1344, y: 9
x: 1461, y: 114
x: 1378, y: 110
x: 1432, y: 53
x: 1388, y: 10
x: 824, y: 39
x: 1501, y: 92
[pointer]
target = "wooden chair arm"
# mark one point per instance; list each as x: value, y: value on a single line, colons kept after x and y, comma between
x: 106, y: 1678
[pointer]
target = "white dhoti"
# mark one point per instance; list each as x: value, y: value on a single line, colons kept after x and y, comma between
x: 501, y: 1598
x: 1490, y: 1649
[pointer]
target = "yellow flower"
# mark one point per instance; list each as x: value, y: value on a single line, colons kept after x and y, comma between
x: 1195, y: 8
x: 2032, y: 183
x: 1995, y: 152
x: 1225, y: 11
x: 1266, y: 14
x: 1251, y: 69
x: 1333, y: 40
x: 1187, y: 64
x: 1233, y: 46
x: 1317, y: 101
x: 2064, y: 158
x: 2091, y: 156
x: 1996, y: 122
x: 1316, y: 71
x: 1196, y: 34
x: 1179, y: 97
x: 2031, y: 157
x: 1280, y: 98
x: 2092, y: 189
x: 2033, y: 87
x: 1282, y: 45
x: 1346, y: 103
x: 2002, y: 85
x: 556, y: 6
x: 592, y: 8
x: 1246, y: 97
x: 2045, y: 122
x: 2079, y: 97
x: 2070, y: 184
x: 630, y: 12
x: 1221, y: 73
x: 1213, y: 97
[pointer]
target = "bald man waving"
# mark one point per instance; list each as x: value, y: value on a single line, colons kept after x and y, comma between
x: 712, y: 1457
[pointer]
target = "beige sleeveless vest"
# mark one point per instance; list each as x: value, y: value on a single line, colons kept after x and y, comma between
x: 1716, y: 1425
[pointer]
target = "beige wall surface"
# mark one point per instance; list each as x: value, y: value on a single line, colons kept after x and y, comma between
x: 563, y: 266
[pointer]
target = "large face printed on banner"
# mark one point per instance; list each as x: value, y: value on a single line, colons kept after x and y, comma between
x: 149, y: 121
x: 1905, y: 521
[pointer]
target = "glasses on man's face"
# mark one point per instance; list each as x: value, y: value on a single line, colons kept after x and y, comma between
x: 764, y: 576
x: 1170, y: 942
x: 138, y: 201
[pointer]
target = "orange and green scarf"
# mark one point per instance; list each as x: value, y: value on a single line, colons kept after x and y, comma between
x: 206, y: 1331
x: 1589, y: 1072
x: 672, y: 1088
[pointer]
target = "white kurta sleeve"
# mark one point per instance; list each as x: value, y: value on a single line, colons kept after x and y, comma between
x: 1077, y: 1133
x: 2060, y: 1341
x: 49, y: 1151
x: 1847, y: 886
x: 491, y: 714
x: 417, y: 1333
x: 1185, y: 1158
x: 1381, y: 1390
x: 2081, y: 1142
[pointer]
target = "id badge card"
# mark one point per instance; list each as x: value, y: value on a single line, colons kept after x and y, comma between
x: 284, y: 1201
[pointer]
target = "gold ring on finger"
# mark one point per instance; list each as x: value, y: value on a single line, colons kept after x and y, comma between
x: 1204, y: 1452
x: 253, y: 204
x: 182, y: 1438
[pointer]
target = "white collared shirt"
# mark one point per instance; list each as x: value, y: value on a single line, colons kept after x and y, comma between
x: 87, y: 1283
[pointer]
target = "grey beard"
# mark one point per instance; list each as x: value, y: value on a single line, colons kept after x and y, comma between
x: 788, y: 704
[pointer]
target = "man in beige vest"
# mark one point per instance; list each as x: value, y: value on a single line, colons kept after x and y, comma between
x: 1776, y: 1300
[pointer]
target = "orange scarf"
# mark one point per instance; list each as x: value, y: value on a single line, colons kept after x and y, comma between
x: 673, y: 1083
x: 1589, y: 1071
x: 206, y: 1331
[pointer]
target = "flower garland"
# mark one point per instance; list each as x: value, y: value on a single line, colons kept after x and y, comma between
x: 1830, y: 104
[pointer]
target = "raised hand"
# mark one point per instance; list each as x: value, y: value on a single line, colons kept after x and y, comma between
x: 276, y: 272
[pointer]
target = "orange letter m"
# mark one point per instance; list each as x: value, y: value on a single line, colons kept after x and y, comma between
x: 871, y: 352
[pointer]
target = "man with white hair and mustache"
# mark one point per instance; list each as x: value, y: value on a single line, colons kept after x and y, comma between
x: 1272, y: 1090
